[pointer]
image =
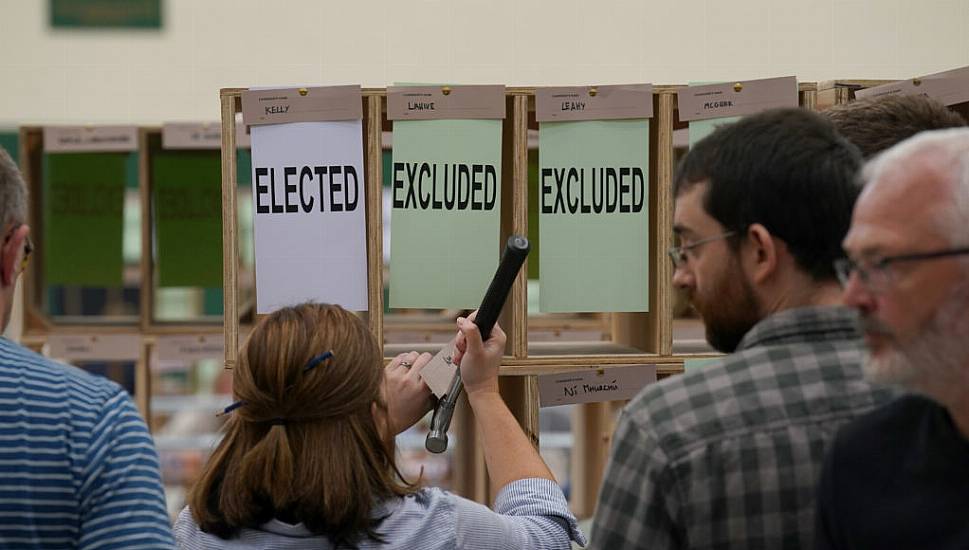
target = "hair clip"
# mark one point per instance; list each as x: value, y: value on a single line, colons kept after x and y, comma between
x: 278, y: 421
x: 314, y: 362
x: 230, y: 408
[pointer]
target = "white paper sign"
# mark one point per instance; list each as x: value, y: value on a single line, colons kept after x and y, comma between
x: 309, y: 223
x: 190, y: 348
x: 591, y: 386
x: 95, y: 347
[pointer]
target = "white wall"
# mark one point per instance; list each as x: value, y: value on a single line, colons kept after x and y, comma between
x: 175, y: 73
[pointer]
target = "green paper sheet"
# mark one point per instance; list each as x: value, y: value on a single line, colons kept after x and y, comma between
x: 696, y: 364
x: 442, y: 258
x: 594, y: 261
x: 84, y: 217
x: 9, y: 141
x: 700, y: 129
x: 187, y: 189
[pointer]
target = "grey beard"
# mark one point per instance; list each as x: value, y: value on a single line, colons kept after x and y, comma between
x: 936, y: 362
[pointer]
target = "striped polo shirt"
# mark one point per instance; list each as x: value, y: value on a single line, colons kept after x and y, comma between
x: 77, y: 465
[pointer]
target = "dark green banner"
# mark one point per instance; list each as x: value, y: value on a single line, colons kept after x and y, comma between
x: 105, y: 14
x: 84, y: 217
x: 188, y: 218
x: 9, y: 141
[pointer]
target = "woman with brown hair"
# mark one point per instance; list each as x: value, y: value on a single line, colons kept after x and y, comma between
x: 307, y: 460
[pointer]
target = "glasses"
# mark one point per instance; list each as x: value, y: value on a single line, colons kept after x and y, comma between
x: 679, y: 256
x: 876, y: 275
x: 28, y: 248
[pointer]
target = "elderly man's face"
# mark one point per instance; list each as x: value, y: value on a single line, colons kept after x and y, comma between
x: 912, y: 312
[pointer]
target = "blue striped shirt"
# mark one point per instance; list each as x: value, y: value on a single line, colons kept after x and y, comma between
x: 529, y: 513
x: 77, y: 465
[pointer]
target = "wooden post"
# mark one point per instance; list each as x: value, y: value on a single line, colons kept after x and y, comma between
x: 373, y: 166
x: 230, y: 225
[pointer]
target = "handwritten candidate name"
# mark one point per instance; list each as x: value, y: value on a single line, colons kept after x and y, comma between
x: 601, y: 190
x: 587, y: 389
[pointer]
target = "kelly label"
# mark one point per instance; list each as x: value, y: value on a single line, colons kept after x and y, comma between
x: 279, y: 105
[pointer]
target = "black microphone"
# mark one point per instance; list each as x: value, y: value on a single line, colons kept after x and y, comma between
x: 516, y: 250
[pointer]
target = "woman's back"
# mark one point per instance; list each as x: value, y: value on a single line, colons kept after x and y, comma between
x: 308, y: 458
x: 528, y: 511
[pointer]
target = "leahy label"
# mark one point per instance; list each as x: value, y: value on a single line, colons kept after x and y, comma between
x: 613, y: 102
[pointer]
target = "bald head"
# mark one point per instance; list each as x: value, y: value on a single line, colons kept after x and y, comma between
x: 923, y: 182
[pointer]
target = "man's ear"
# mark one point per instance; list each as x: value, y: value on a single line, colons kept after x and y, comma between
x: 10, y: 255
x: 761, y: 253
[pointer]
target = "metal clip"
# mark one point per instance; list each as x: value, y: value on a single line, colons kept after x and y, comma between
x: 737, y: 87
x: 303, y: 91
x: 593, y: 91
x: 446, y: 90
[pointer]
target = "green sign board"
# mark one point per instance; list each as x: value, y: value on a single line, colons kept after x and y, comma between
x: 9, y: 141
x: 84, y: 217
x: 105, y: 14
x: 594, y: 215
x: 187, y: 188
x: 446, y: 196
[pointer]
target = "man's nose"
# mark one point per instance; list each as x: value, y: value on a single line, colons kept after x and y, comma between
x: 856, y: 293
x: 682, y: 277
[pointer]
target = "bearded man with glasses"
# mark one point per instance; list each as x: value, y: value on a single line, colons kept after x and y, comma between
x: 899, y: 476
x: 728, y: 456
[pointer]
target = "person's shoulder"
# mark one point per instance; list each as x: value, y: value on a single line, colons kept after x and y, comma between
x: 900, y: 416
x: 426, y: 499
x: 50, y: 380
x: 670, y: 410
x: 185, y: 524
x: 676, y: 400
x: 730, y: 394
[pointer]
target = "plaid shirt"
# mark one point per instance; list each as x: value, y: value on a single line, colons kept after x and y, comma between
x: 728, y: 456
